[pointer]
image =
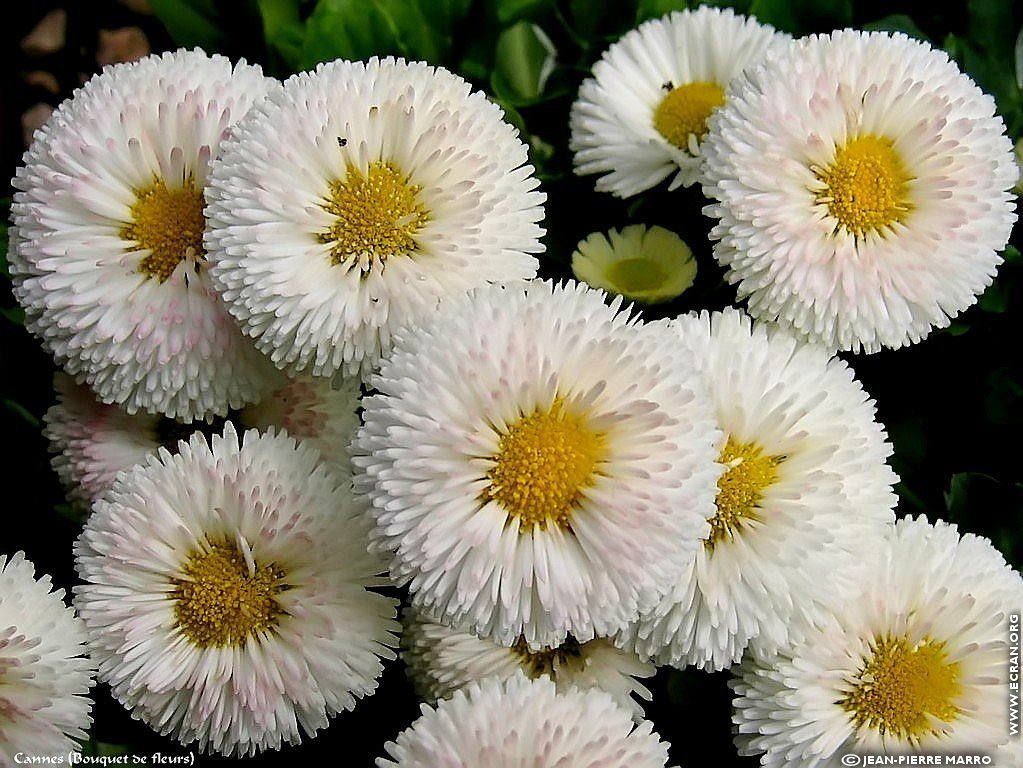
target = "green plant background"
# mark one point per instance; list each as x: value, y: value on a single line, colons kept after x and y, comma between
x: 953, y: 404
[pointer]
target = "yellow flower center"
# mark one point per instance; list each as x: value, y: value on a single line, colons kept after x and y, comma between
x: 378, y: 216
x: 740, y: 488
x: 222, y: 600
x: 865, y: 185
x: 684, y: 111
x: 903, y: 688
x: 169, y: 224
x: 543, y: 463
x: 542, y: 662
x: 635, y: 275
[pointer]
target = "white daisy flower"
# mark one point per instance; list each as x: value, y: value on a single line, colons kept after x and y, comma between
x: 355, y: 198
x: 521, y: 722
x: 806, y: 491
x: 916, y: 662
x: 441, y: 660
x: 649, y: 265
x: 91, y: 442
x: 44, y: 675
x: 106, y: 249
x: 642, y: 116
x: 321, y: 412
x: 862, y: 185
x: 225, y: 593
x: 539, y: 464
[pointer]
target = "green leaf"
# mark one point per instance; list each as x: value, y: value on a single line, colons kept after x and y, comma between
x: 70, y: 512
x: 996, y: 298
x: 957, y: 328
x: 283, y: 29
x: 15, y: 315
x: 1012, y: 255
x: 1019, y: 59
x: 898, y: 22
x: 524, y: 60
x: 586, y: 16
x: 192, y: 23
x: 802, y: 17
x: 22, y: 411
x: 654, y: 9
x: 1004, y: 401
x: 355, y: 29
x: 511, y: 11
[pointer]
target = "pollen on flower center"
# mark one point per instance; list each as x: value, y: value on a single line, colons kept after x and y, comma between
x: 903, y: 688
x: 542, y: 662
x: 741, y: 487
x: 169, y: 224
x: 684, y: 111
x: 222, y: 599
x: 543, y: 463
x: 865, y: 185
x: 378, y: 216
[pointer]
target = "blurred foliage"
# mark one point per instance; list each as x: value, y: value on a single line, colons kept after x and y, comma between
x: 953, y: 404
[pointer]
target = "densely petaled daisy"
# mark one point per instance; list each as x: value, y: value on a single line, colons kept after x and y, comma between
x: 44, y: 675
x: 916, y: 661
x: 862, y: 185
x: 226, y: 592
x: 441, y: 660
x: 106, y: 248
x: 520, y: 722
x: 642, y: 116
x: 649, y: 265
x: 92, y: 441
x: 355, y: 198
x: 321, y: 412
x: 539, y: 464
x: 805, y: 493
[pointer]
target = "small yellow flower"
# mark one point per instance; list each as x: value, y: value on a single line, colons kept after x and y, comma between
x: 649, y: 265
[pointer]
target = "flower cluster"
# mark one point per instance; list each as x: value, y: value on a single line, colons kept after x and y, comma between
x: 310, y: 374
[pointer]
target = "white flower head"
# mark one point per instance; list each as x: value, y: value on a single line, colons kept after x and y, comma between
x: 642, y: 116
x: 539, y: 464
x: 806, y: 491
x: 225, y: 593
x: 107, y: 253
x: 441, y: 660
x: 91, y: 442
x: 916, y: 662
x: 354, y: 199
x: 862, y: 187
x: 518, y: 722
x: 45, y: 675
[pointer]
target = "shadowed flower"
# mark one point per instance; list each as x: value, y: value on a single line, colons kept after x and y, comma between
x: 805, y: 493
x: 643, y: 114
x: 107, y: 253
x: 45, y: 676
